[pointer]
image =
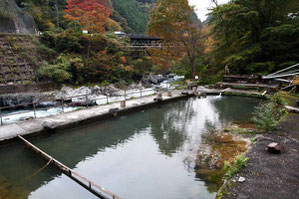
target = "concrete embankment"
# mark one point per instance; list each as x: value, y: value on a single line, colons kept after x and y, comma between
x: 71, y: 119
x: 235, y: 92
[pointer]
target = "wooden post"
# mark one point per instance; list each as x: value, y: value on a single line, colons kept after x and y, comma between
x: 34, y: 110
x: 123, y: 104
x: 195, y: 91
x: 107, y: 99
x: 1, y: 116
x: 62, y: 104
x: 86, y: 100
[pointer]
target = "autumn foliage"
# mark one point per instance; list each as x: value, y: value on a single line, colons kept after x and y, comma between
x: 171, y: 20
x: 92, y: 15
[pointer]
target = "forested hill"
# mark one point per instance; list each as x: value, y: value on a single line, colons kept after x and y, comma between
x: 132, y: 15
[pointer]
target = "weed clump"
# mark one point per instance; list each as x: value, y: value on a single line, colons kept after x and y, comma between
x: 234, y: 167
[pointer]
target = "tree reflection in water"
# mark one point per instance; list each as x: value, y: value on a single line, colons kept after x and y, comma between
x: 170, y: 128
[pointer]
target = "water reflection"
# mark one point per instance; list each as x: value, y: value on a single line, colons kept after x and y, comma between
x: 169, y: 129
x: 234, y: 108
x: 139, y: 154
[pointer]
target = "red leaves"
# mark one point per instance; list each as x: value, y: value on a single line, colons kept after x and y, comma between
x: 90, y: 14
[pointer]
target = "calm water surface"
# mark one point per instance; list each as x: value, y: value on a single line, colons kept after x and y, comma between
x: 140, y: 155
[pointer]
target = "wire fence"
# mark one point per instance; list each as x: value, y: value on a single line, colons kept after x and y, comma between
x: 85, y: 100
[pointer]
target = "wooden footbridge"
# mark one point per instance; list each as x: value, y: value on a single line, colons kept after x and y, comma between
x: 92, y: 187
x: 140, y: 45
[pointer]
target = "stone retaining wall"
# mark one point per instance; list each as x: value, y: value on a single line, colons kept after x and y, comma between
x: 9, y: 89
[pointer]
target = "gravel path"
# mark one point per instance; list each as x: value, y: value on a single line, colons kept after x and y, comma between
x: 269, y: 175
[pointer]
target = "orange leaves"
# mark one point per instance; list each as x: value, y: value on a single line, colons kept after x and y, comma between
x: 123, y: 60
x: 171, y: 20
x: 92, y: 15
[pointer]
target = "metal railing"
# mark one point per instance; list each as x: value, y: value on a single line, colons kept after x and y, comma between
x: 84, y: 101
x: 94, y: 188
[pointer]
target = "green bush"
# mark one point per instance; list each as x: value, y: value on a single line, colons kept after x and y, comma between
x: 58, y: 72
x: 266, y: 116
x: 278, y: 99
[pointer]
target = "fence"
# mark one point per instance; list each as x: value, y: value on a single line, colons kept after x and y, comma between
x: 61, y: 102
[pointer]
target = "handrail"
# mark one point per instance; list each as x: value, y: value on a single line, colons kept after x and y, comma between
x: 63, y: 99
x: 69, y: 173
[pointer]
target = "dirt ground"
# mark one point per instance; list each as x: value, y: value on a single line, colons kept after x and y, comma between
x: 274, y: 176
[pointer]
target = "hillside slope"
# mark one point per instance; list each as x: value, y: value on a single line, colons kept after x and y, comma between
x: 13, y: 19
x: 132, y: 15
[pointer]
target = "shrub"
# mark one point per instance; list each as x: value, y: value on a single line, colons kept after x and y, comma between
x: 278, y: 99
x: 27, y: 82
x: 58, y: 72
x: 266, y: 116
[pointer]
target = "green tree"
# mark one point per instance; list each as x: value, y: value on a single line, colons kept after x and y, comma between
x: 255, y: 36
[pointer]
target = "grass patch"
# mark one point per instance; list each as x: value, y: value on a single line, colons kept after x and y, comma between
x: 234, y: 167
x: 241, y: 131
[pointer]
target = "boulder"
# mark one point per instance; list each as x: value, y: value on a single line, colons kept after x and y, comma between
x: 14, y: 20
x: 68, y: 92
x: 274, y: 148
x: 110, y: 90
x: 96, y: 90
x: 113, y: 111
x: 241, y: 179
x: 50, y: 125
x: 21, y: 98
x: 153, y: 79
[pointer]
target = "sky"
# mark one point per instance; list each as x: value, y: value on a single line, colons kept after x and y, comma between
x: 202, y: 6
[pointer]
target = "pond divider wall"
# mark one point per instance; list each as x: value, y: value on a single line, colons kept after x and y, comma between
x: 39, y: 131
x: 38, y: 128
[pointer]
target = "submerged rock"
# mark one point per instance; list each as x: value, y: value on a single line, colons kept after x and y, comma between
x: 217, y: 148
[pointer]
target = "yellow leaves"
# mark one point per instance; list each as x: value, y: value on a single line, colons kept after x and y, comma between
x: 49, y: 24
x: 129, y: 68
x: 209, y: 45
x: 112, y: 25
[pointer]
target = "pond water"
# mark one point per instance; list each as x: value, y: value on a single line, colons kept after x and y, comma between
x: 140, y: 155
